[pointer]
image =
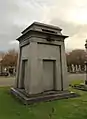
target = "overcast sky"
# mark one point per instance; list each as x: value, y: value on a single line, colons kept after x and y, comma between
x: 16, y: 15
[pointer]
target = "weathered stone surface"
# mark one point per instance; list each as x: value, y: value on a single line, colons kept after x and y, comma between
x: 41, y: 65
x: 82, y: 87
x: 56, y: 95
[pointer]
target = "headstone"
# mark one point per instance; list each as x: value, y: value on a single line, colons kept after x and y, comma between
x: 73, y: 68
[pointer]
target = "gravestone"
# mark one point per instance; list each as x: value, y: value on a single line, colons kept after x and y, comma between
x: 42, y: 70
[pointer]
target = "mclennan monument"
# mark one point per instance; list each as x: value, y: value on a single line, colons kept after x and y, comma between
x: 42, y: 69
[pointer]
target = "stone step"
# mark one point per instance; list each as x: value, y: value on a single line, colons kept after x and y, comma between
x: 50, y: 97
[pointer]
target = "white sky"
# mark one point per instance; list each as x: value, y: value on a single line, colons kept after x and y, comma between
x: 70, y: 15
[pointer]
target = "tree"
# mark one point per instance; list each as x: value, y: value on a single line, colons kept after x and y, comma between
x: 76, y: 57
x: 69, y: 63
x: 1, y: 57
x: 10, y: 58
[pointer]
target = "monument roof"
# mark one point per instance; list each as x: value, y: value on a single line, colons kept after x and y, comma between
x: 43, y: 29
x: 40, y: 26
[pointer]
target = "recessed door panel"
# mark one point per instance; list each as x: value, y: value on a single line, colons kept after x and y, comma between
x: 24, y: 73
x: 48, y: 75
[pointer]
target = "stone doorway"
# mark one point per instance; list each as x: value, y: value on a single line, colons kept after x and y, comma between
x: 49, y: 75
x: 24, y: 73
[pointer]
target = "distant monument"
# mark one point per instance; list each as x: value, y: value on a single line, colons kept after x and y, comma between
x: 83, y: 86
x: 42, y: 70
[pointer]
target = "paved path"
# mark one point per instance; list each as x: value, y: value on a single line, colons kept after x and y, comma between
x: 76, y: 77
x: 9, y: 81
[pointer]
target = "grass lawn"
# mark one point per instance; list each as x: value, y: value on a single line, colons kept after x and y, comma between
x: 73, y: 82
x: 11, y: 108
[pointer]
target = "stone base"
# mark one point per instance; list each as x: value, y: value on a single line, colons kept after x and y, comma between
x: 46, y: 96
x: 82, y: 87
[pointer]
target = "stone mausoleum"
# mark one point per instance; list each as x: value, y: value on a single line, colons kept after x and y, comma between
x: 42, y: 70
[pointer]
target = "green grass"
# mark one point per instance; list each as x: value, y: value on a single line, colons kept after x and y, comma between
x: 11, y: 108
x: 76, y: 82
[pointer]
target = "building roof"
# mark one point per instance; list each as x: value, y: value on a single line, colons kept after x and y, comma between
x: 43, y: 29
x: 40, y: 25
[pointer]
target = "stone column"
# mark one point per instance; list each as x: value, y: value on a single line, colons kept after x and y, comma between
x: 64, y: 68
x: 18, y: 69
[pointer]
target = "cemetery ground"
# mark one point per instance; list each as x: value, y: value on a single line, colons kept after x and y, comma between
x: 74, y: 108
x: 6, y: 81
